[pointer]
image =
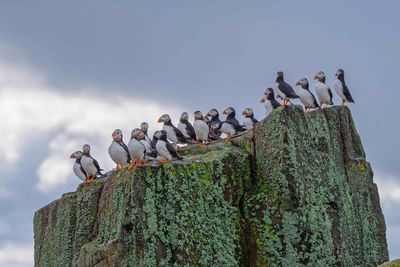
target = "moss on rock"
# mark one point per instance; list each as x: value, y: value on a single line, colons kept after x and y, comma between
x: 300, y: 194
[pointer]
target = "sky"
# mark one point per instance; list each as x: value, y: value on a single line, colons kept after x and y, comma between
x: 73, y: 71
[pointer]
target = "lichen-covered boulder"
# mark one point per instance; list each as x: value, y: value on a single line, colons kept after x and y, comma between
x: 300, y: 193
x: 184, y: 213
x: 314, y: 202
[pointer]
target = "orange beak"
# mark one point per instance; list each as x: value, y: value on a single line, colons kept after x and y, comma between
x: 262, y: 100
x: 243, y: 112
x: 72, y: 156
x: 224, y: 112
x: 315, y: 77
x: 298, y: 83
x: 207, y: 114
x: 159, y: 120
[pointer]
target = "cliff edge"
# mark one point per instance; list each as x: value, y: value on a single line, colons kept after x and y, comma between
x: 295, y: 191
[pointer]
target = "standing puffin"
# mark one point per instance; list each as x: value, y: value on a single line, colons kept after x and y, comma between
x: 249, y: 119
x: 186, y: 127
x: 150, y: 152
x: 269, y: 101
x: 322, y: 90
x: 173, y: 133
x: 77, y: 168
x: 341, y: 88
x: 201, y: 128
x: 231, y: 119
x: 89, y: 164
x: 136, y: 149
x: 306, y: 97
x: 165, y: 150
x: 144, y: 126
x: 224, y: 127
x: 118, y: 150
x: 214, y: 134
x: 283, y: 89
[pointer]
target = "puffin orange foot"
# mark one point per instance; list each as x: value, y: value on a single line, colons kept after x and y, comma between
x: 228, y: 138
x: 130, y: 167
x: 89, y: 179
x: 202, y: 146
x: 163, y: 161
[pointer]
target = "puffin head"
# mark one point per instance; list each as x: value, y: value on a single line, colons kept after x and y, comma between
x: 303, y: 82
x: 279, y: 76
x: 339, y: 73
x: 184, y: 116
x: 320, y: 76
x: 212, y: 113
x: 144, y: 127
x: 157, y: 135
x: 135, y: 133
x: 117, y: 135
x: 247, y: 112
x: 76, y: 155
x: 164, y: 118
x: 268, y: 95
x: 198, y: 115
x: 86, y: 149
x: 215, y: 126
x: 228, y: 111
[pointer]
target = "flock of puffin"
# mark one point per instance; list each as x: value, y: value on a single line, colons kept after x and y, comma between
x: 164, y: 144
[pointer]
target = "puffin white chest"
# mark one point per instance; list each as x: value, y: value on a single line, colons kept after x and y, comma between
x: 227, y: 129
x: 88, y: 165
x: 278, y: 92
x: 146, y: 145
x: 78, y: 172
x: 306, y: 98
x: 201, y: 130
x: 268, y: 107
x: 171, y: 135
x: 136, y: 149
x: 162, y: 150
x: 182, y: 128
x: 117, y: 153
x: 322, y: 92
x: 248, y: 123
x: 339, y: 89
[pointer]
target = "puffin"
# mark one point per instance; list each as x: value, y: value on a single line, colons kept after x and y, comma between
x: 89, y: 164
x: 165, y: 150
x: 249, y: 119
x: 306, y: 97
x: 118, y: 150
x: 269, y: 101
x: 322, y: 90
x: 186, y: 127
x: 77, y: 168
x: 341, y: 88
x: 150, y: 152
x: 144, y: 126
x: 224, y: 127
x: 136, y: 149
x: 283, y: 89
x: 231, y: 119
x: 201, y: 128
x: 213, y: 113
x: 173, y: 133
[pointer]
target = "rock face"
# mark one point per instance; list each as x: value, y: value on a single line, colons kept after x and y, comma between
x: 299, y: 194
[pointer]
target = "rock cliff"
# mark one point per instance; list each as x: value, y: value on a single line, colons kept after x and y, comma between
x: 296, y: 191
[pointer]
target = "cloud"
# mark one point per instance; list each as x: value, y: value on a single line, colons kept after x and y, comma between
x: 12, y: 254
x: 36, y: 112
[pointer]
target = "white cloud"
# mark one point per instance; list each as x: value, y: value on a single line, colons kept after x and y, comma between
x: 388, y: 186
x: 30, y: 111
x: 16, y: 254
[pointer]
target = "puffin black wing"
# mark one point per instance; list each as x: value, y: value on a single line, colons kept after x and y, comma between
x: 172, y: 150
x: 125, y: 147
x: 97, y: 165
x: 275, y: 104
x: 330, y: 95
x: 180, y: 136
x: 254, y: 120
x: 287, y: 90
x: 315, y: 100
x: 235, y: 123
x: 346, y: 93
x: 82, y: 170
x: 190, y: 130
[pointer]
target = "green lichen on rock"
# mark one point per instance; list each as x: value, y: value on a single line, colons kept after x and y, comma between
x: 300, y: 194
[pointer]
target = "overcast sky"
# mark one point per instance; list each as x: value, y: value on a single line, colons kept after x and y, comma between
x: 73, y: 71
